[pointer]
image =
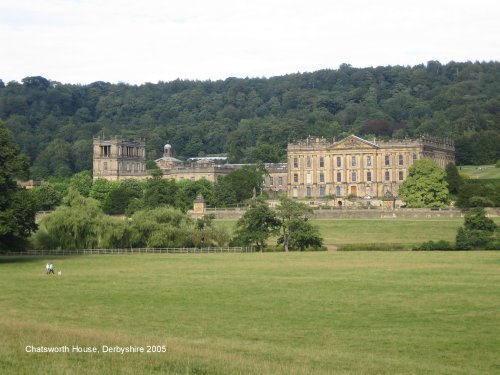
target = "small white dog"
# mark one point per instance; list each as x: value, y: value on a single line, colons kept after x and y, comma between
x: 59, y: 273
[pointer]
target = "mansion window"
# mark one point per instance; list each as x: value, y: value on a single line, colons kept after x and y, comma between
x: 353, y: 176
x: 295, y: 192
x: 105, y: 165
x: 353, y: 161
x: 280, y: 181
x: 369, y: 161
x: 368, y: 176
x: 337, y: 191
x: 401, y: 160
x: 321, y: 177
x: 295, y: 177
x: 387, y: 160
x: 308, y: 162
x: 106, y: 151
x: 401, y: 176
x: 339, y: 161
x: 339, y: 177
x: 271, y: 181
x: 308, y: 191
x: 295, y: 162
x: 321, y: 191
x: 321, y: 162
x: 414, y: 156
x: 308, y: 178
x: 387, y: 176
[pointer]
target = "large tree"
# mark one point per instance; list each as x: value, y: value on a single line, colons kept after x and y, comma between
x: 17, y: 209
x: 425, y: 185
x: 296, y: 232
x: 453, y: 178
x: 478, y: 230
x: 257, y: 224
x: 239, y: 185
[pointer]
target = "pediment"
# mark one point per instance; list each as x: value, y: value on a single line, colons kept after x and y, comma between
x: 353, y: 142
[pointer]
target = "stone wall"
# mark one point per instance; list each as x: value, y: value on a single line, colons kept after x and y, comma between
x: 373, y: 213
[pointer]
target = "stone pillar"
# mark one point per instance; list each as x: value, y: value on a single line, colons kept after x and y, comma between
x: 199, y: 206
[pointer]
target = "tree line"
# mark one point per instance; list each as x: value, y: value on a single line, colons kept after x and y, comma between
x: 130, y: 195
x: 252, y: 119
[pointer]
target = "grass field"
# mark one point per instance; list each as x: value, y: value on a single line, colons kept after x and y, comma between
x: 480, y: 171
x: 271, y: 313
x: 382, y: 231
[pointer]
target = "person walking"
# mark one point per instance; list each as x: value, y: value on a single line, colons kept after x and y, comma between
x: 51, y: 269
x: 47, y: 268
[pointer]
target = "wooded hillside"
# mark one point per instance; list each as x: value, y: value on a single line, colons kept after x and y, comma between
x: 253, y: 119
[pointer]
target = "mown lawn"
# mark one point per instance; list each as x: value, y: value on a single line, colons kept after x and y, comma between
x: 271, y: 313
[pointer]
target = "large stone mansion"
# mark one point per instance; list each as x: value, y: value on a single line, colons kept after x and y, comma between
x: 316, y: 167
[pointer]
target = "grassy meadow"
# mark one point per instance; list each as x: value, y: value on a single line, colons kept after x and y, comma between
x: 480, y: 171
x: 270, y: 313
x: 338, y: 232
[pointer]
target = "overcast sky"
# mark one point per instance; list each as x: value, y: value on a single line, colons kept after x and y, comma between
x: 82, y: 41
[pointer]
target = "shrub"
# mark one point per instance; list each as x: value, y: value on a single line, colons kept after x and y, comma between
x: 438, y: 245
x: 493, y: 245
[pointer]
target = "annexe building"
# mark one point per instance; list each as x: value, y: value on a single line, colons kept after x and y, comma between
x: 116, y: 158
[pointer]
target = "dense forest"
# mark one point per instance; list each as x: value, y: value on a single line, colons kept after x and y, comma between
x: 252, y: 119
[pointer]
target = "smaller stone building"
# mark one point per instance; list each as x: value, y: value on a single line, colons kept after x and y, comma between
x: 276, y: 180
x: 167, y: 161
x: 117, y: 158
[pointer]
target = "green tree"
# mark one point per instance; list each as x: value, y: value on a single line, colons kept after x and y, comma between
x: 292, y: 215
x: 159, y: 191
x: 81, y: 181
x: 478, y: 193
x: 17, y: 208
x: 239, y: 185
x: 256, y: 225
x: 304, y: 235
x: 117, y: 201
x: 55, y: 160
x: 425, y: 185
x: 477, y: 232
x: 46, y: 197
x: 161, y: 227
x: 453, y: 178
x: 74, y: 225
x: 100, y: 189
x: 121, y: 195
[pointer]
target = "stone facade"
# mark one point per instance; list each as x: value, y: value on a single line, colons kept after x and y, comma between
x: 355, y: 167
x: 276, y: 182
x: 316, y: 168
x: 117, y: 158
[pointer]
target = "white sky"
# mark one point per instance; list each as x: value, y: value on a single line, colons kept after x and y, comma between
x: 82, y: 41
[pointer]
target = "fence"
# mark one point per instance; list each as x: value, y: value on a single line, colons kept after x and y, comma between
x: 166, y: 250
